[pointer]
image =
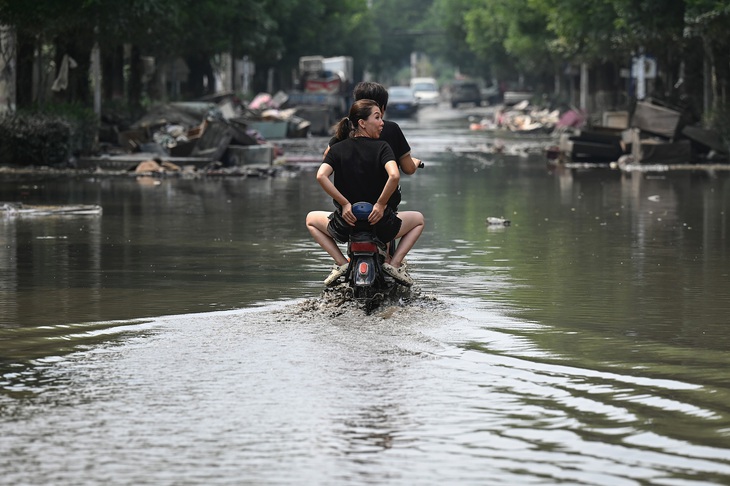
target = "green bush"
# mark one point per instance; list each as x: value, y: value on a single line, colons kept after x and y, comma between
x: 47, y: 137
x: 34, y: 140
x: 83, y: 122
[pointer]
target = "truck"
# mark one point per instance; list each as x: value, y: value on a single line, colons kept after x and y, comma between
x: 324, y: 91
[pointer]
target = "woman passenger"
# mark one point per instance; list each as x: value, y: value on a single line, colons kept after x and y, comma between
x: 364, y: 169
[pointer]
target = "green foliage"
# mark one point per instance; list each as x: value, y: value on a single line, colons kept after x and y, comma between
x: 83, y: 124
x: 483, y: 38
x: 325, y: 27
x: 449, y: 42
x: 47, y: 137
x: 510, y: 35
x: 34, y: 140
x: 42, y: 17
x: 401, y: 26
x: 582, y: 31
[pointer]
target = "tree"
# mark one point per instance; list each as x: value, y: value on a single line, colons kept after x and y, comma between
x: 401, y: 25
x: 512, y: 37
x: 324, y: 27
x: 35, y: 24
x: 706, y: 22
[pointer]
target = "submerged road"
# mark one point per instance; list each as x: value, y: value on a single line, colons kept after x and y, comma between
x: 183, y: 336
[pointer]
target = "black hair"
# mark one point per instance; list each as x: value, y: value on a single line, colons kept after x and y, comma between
x: 367, y: 90
x: 360, y: 110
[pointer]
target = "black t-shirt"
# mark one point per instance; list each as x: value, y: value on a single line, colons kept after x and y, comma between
x: 359, y: 166
x: 394, y: 136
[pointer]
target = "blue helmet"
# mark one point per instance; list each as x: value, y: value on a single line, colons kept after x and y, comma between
x: 362, y: 210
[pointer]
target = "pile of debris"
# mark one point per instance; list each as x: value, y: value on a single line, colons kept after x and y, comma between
x: 521, y: 118
x: 653, y: 134
x: 221, y: 133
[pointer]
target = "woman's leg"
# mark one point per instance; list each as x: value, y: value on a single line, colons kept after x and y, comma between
x: 317, y: 222
x: 409, y: 233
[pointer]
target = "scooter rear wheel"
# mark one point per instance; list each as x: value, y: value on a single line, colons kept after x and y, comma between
x: 363, y: 292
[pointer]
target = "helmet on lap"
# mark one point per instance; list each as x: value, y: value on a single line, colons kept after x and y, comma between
x: 362, y: 210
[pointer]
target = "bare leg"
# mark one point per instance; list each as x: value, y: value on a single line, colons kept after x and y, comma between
x: 409, y: 233
x: 317, y: 225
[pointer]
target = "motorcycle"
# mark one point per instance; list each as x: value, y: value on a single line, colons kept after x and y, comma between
x: 366, y: 280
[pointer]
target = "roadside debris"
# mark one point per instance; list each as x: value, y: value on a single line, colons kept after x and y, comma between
x: 156, y: 165
x: 653, y: 133
x: 223, y: 134
x: 522, y: 118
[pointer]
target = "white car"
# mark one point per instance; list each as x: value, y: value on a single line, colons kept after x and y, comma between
x: 426, y: 91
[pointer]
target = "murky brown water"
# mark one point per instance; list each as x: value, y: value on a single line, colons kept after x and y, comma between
x: 181, y: 337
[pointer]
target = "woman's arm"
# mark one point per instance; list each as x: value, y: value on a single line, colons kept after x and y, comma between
x: 390, y: 186
x: 323, y: 177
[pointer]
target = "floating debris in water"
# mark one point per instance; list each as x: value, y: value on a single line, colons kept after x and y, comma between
x: 20, y: 209
x: 492, y: 221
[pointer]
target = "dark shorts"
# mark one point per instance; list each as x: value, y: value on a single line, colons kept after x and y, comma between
x: 395, y: 199
x: 386, y: 229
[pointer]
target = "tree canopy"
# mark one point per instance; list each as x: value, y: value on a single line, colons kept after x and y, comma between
x: 508, y: 40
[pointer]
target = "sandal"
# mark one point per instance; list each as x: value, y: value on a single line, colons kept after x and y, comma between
x: 400, y: 274
x: 337, y: 272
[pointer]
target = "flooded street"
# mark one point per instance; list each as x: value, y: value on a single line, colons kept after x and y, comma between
x: 183, y: 337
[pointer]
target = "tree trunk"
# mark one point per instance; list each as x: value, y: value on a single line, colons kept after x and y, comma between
x: 135, y: 78
x: 24, y: 79
x: 200, y: 72
x: 113, y: 74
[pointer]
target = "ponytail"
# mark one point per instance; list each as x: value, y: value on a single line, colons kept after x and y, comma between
x: 343, y: 129
x: 360, y: 110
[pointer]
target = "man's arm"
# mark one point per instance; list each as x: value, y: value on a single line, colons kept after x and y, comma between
x: 409, y: 164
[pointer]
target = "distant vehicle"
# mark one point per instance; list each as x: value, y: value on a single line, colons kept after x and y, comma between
x: 402, y: 102
x: 491, y: 95
x: 324, y: 90
x: 426, y: 91
x: 465, y: 92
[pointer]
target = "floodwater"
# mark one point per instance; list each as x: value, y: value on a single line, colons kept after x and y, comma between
x: 182, y: 337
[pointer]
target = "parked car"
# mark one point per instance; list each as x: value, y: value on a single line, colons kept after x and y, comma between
x: 465, y: 92
x: 402, y: 102
x: 426, y: 91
